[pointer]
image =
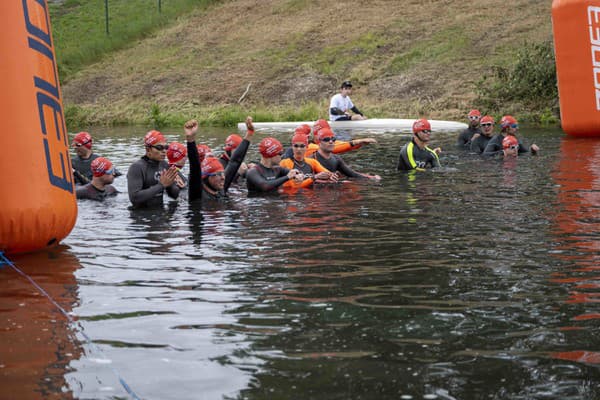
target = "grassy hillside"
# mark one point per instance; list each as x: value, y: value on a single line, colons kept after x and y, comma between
x: 407, y: 58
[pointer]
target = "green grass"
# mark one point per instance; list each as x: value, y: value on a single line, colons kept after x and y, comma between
x: 228, y: 115
x: 437, y: 48
x: 338, y: 60
x: 79, y: 27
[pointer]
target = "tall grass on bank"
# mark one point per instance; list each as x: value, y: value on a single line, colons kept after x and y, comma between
x: 529, y: 83
x: 79, y: 27
x: 219, y: 115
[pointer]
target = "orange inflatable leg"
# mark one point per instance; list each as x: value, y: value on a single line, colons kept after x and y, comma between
x: 38, y: 206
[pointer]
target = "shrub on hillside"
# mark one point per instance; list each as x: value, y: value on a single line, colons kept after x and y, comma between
x: 528, y: 85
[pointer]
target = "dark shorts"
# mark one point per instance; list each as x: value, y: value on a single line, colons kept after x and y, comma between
x: 344, y: 118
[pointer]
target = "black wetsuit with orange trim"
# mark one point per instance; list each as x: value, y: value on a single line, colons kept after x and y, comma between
x: 197, y: 190
x: 336, y: 164
x: 264, y: 179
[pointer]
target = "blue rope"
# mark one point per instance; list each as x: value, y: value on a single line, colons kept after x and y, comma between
x: 4, y: 260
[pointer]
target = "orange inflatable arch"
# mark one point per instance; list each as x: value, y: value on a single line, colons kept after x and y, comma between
x: 38, y: 206
x: 576, y: 25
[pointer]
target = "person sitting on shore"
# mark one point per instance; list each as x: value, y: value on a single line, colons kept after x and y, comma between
x: 177, y: 156
x: 311, y: 168
x: 333, y: 162
x: 341, y: 106
x: 81, y: 162
x: 103, y: 174
x: 208, y: 180
x: 416, y: 155
x: 268, y: 175
x: 472, y: 132
x: 479, y: 143
x: 509, y: 126
x: 150, y: 176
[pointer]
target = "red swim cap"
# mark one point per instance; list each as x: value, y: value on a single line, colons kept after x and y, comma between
x: 101, y: 166
x: 507, y: 120
x: 324, y: 133
x: 300, y: 138
x: 509, y: 141
x: 82, y: 139
x: 176, y: 152
x: 153, y: 137
x: 211, y: 165
x: 302, y: 130
x: 270, y: 147
x: 320, y: 124
x: 421, y: 125
x: 474, y: 113
x: 203, y: 151
x: 232, y: 142
x: 487, y: 120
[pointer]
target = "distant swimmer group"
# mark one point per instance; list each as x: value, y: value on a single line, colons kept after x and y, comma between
x: 305, y: 163
x: 479, y: 136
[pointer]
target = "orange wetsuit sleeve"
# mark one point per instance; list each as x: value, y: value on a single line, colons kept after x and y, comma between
x: 343, y: 147
x: 311, y: 149
x: 292, y: 185
x: 315, y: 165
x: 287, y: 163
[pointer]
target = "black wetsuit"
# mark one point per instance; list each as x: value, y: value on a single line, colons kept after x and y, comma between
x: 495, y: 148
x: 263, y: 179
x: 224, y: 159
x: 464, y: 139
x: 479, y: 143
x: 336, y: 164
x: 412, y: 157
x: 90, y: 192
x: 289, y: 153
x: 303, y: 167
x: 143, y: 185
x: 196, y: 189
x: 83, y: 169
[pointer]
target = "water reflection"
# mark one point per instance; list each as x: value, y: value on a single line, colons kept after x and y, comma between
x: 432, y: 284
x: 577, y: 224
x: 38, y: 343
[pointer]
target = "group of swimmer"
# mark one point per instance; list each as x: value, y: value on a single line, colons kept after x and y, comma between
x: 300, y: 166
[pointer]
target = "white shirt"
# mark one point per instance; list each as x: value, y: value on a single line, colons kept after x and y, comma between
x: 341, y: 102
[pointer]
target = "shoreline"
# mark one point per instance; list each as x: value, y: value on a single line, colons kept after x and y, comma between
x: 153, y: 114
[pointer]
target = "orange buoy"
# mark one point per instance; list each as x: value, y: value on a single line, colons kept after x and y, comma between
x: 576, y: 25
x: 38, y: 206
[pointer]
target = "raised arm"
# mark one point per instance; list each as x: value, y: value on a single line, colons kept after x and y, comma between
x: 195, y: 178
x: 238, y: 155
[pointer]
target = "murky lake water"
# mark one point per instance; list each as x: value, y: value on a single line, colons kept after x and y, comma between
x: 475, y: 282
